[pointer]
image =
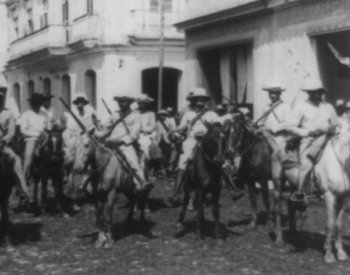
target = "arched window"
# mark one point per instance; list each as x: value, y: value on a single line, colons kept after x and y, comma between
x: 47, y: 87
x: 31, y: 88
x: 66, y: 89
x: 17, y: 95
x: 90, y: 87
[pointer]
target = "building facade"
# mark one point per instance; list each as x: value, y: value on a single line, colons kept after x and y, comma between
x: 94, y: 47
x: 235, y: 47
x: 3, y: 43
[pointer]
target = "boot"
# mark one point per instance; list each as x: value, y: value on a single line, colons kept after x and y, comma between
x: 177, y: 190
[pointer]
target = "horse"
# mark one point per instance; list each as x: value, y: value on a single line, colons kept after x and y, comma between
x: 110, y: 175
x: 203, y: 175
x: 7, y: 180
x: 332, y: 174
x: 48, y: 159
x: 255, y: 163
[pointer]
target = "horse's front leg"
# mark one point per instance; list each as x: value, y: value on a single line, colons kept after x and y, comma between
x: 266, y: 198
x: 253, y: 204
x: 341, y: 254
x: 182, y: 214
x: 57, y: 182
x: 215, y: 211
x: 200, y: 212
x: 99, y: 215
x: 108, y: 216
x: 277, y: 195
x: 43, y: 202
x: 330, y: 227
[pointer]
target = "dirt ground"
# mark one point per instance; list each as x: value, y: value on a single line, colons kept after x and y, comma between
x: 58, y: 245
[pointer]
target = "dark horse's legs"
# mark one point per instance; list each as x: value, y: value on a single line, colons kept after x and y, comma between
x: 216, y: 214
x: 183, y: 207
x: 200, y: 212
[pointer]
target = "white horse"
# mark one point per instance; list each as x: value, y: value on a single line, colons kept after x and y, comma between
x: 333, y: 174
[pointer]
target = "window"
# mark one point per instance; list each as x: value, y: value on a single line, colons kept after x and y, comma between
x: 44, y: 21
x: 31, y: 88
x: 66, y: 89
x: 17, y: 95
x: 65, y: 12
x: 47, y: 86
x: 90, y: 86
x: 90, y: 6
x: 167, y: 5
x: 30, y: 26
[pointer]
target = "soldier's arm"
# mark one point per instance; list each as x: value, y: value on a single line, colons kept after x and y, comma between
x: 150, y: 123
x: 134, y: 131
x: 10, y: 129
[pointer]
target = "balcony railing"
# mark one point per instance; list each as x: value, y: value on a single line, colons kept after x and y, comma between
x: 52, y: 36
x: 147, y: 24
x: 84, y: 28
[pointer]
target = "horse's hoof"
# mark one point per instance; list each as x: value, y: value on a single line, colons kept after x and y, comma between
x: 107, y: 245
x: 329, y: 258
x: 279, y: 241
x: 252, y: 225
x: 179, y: 225
x: 101, y: 240
x: 342, y: 256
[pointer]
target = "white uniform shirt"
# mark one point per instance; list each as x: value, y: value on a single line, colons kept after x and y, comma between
x: 128, y: 131
x: 148, y: 122
x: 198, y: 127
x: 311, y: 117
x: 281, y: 115
x: 7, y: 122
x: 86, y: 119
x: 33, y: 124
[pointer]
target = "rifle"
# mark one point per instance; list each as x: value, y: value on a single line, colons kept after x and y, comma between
x: 105, y: 104
x: 120, y: 120
x: 269, y: 111
x: 77, y: 120
x: 110, y: 112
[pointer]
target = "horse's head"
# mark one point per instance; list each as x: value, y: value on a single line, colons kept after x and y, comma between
x: 212, y: 144
x: 49, y: 145
x: 83, y: 153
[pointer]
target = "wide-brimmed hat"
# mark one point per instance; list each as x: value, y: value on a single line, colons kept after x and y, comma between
x: 36, y: 98
x: 169, y: 110
x: 162, y: 112
x: 219, y: 108
x: 347, y: 105
x: 312, y: 85
x: 189, y: 96
x: 48, y: 97
x: 124, y: 96
x: 273, y: 86
x: 199, y: 93
x: 80, y: 99
x: 144, y: 99
x: 340, y: 102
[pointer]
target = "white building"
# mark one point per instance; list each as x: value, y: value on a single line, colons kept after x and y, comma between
x: 3, y: 42
x: 234, y: 47
x: 96, y: 47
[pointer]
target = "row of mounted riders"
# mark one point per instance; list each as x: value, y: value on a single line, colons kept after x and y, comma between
x: 108, y: 177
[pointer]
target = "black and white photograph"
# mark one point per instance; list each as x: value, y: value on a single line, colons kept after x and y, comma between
x: 174, y: 137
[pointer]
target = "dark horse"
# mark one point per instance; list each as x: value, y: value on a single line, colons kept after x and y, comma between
x: 110, y: 175
x: 48, y: 165
x: 204, y: 177
x: 7, y: 182
x: 255, y: 164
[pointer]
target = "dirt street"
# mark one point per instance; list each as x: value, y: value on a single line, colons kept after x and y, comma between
x: 57, y: 245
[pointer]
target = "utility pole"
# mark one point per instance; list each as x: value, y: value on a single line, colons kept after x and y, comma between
x: 161, y: 55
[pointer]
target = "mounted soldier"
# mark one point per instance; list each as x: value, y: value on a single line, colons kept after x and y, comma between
x: 276, y: 115
x: 7, y: 133
x: 148, y: 124
x: 315, y: 121
x: 194, y: 123
x: 121, y: 133
x: 86, y: 115
x: 164, y: 128
x: 32, y: 124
